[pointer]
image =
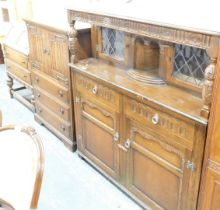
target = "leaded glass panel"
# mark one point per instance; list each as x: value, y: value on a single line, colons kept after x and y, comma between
x: 113, y: 43
x: 190, y: 64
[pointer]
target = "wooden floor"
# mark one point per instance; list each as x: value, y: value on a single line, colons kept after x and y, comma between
x: 69, y: 182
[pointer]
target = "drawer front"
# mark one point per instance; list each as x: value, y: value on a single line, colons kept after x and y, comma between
x: 167, y: 125
x: 56, y: 122
x: 60, y: 109
x: 19, y: 72
x: 101, y: 93
x: 17, y: 57
x: 50, y: 86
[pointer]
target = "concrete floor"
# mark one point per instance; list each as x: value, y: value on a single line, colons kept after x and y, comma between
x: 69, y: 183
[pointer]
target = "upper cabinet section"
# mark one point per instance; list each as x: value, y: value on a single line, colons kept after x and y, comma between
x: 151, y: 53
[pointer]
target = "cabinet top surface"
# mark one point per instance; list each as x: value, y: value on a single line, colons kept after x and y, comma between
x: 17, y: 38
x: 197, y: 16
x: 167, y: 96
x: 57, y: 25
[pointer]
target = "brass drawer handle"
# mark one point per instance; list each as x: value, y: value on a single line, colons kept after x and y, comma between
x: 155, y: 119
x: 116, y: 136
x: 62, y: 111
x: 127, y: 144
x: 95, y: 90
x: 61, y: 93
x: 62, y: 128
x: 24, y: 62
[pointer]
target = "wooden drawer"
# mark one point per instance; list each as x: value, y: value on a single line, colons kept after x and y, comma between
x: 60, y: 109
x: 175, y: 129
x: 101, y: 93
x: 18, y: 72
x: 55, y: 121
x: 50, y: 86
x: 16, y: 56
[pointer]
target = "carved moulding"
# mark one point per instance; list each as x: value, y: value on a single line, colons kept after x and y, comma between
x: 165, y: 33
x: 184, y: 36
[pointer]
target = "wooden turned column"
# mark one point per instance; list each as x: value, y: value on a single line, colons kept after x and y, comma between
x: 10, y: 85
x: 73, y: 43
x: 208, y: 87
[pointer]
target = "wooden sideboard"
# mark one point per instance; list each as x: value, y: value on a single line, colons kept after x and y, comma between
x: 48, y: 63
x: 140, y: 119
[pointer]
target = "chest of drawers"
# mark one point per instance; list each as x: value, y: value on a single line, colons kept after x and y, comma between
x: 48, y: 63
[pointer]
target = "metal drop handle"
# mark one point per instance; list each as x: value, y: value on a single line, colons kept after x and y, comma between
x: 155, y: 119
x: 61, y: 93
x: 116, y: 136
x: 127, y: 144
x: 95, y: 90
x: 61, y: 110
x: 62, y: 127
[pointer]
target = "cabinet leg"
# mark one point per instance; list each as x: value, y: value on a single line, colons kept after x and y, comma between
x: 10, y: 85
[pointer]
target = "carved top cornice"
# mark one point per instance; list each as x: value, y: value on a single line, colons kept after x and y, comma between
x: 169, y: 33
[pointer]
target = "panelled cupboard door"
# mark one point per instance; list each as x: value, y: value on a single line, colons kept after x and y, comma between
x: 156, y: 171
x: 37, y: 48
x: 58, y: 46
x: 98, y: 135
x: 211, y: 197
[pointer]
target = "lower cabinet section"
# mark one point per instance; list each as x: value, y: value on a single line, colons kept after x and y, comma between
x: 211, y: 194
x: 154, y: 155
x: 98, y: 136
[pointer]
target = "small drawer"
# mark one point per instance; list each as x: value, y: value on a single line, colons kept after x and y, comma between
x: 17, y: 57
x: 50, y: 86
x: 52, y: 119
x: 164, y: 123
x: 18, y: 72
x: 91, y: 88
x: 60, y: 109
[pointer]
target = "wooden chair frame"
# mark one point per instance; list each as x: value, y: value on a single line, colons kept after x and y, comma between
x: 40, y: 167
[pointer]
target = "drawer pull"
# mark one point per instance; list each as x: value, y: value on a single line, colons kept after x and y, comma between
x: 116, y: 136
x: 37, y: 79
x: 127, y: 144
x: 190, y: 165
x: 65, y: 80
x: 24, y: 62
x: 155, y: 119
x: 8, y: 67
x: 62, y: 128
x: 61, y: 93
x: 38, y: 95
x: 39, y: 110
x: 94, y: 90
x: 61, y: 111
x: 46, y: 51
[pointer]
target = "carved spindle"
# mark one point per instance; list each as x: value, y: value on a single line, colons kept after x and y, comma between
x: 73, y: 43
x: 10, y: 85
x: 208, y: 88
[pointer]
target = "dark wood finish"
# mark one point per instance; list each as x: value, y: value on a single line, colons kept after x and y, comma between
x: 162, y: 128
x: 210, y: 187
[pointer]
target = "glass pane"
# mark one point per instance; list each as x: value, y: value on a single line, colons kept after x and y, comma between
x: 113, y: 43
x: 190, y: 64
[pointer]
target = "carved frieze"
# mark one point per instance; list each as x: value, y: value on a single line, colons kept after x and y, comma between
x: 102, y: 91
x: 164, y: 33
x: 168, y: 123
